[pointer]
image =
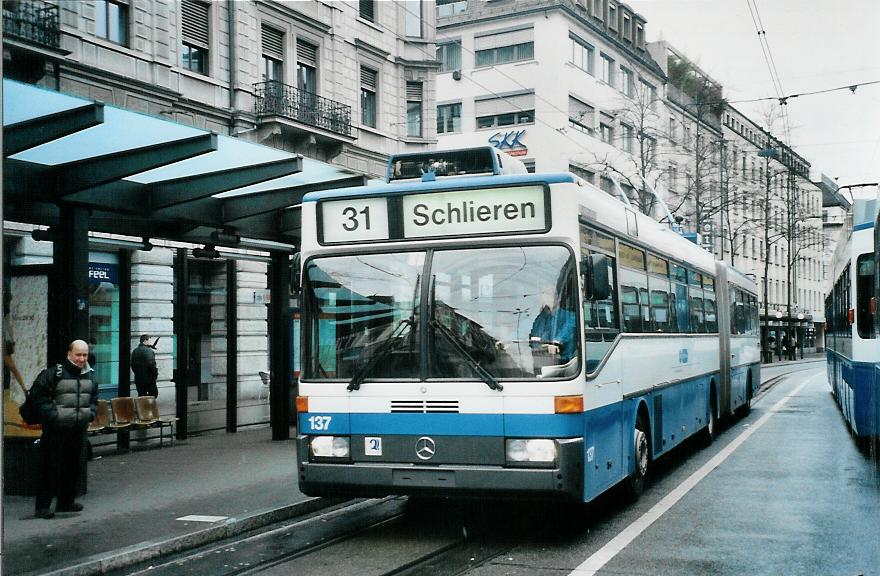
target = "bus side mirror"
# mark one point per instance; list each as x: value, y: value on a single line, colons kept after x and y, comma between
x: 296, y: 273
x: 596, y: 277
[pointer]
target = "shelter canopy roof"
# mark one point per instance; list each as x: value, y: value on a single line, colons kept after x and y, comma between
x: 145, y: 176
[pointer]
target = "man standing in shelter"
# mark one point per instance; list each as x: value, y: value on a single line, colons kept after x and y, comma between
x: 67, y: 397
x: 143, y: 364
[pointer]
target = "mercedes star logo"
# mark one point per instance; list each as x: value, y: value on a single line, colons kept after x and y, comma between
x: 425, y: 448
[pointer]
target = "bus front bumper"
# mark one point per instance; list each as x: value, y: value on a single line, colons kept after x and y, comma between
x: 376, y: 479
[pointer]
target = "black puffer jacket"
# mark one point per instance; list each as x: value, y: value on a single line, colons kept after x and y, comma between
x: 67, y: 400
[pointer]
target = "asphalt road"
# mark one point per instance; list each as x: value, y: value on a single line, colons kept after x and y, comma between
x: 784, y: 491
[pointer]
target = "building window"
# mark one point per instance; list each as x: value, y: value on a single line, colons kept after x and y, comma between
x: 627, y: 86
x: 506, y: 111
x: 650, y: 94
x: 306, y: 66
x: 673, y: 129
x: 650, y: 147
x: 448, y: 118
x: 581, y: 54
x: 673, y: 178
x: 640, y: 36
x: 195, y: 36
x: 627, y: 27
x: 111, y: 21
x: 597, y: 9
x: 413, y: 108
x: 412, y: 18
x: 451, y: 7
x: 612, y: 16
x: 607, y: 74
x: 587, y: 175
x: 368, y: 10
x: 449, y: 56
x: 273, y: 54
x: 503, y: 47
x: 506, y: 119
x: 629, y: 138
x: 368, y: 96
x: 581, y: 115
x: 606, y: 128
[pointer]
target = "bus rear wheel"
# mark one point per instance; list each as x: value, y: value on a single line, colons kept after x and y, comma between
x: 746, y: 408
x: 708, y: 433
x: 635, y: 483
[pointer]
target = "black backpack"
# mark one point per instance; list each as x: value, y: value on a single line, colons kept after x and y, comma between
x: 30, y: 410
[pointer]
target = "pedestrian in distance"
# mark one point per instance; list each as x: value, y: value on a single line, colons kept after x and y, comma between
x: 143, y: 364
x: 67, y: 397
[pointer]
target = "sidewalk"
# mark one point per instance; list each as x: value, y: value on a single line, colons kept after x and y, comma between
x: 135, y: 498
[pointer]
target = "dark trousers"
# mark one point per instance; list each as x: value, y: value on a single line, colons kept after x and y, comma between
x: 60, y: 451
x: 147, y: 389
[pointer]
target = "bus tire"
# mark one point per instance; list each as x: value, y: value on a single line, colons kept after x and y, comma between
x: 746, y: 408
x: 635, y: 483
x: 708, y: 433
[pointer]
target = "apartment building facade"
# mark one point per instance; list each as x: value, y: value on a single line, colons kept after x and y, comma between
x: 345, y: 83
x: 574, y: 86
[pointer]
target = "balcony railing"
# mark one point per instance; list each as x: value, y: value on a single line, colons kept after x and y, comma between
x: 34, y: 22
x: 274, y: 97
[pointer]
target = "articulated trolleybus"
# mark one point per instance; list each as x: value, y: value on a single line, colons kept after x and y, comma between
x: 853, y: 324
x: 470, y: 329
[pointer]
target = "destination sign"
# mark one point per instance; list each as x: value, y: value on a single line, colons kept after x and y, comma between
x: 465, y: 212
x: 458, y: 213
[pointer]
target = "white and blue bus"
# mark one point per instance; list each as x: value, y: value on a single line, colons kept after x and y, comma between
x: 851, y: 339
x: 471, y: 332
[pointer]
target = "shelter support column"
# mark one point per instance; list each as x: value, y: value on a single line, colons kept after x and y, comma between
x: 71, y: 258
x: 181, y: 375
x: 279, y: 345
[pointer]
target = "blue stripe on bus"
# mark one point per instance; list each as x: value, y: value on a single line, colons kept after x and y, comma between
x: 863, y: 226
x: 511, y: 425
x: 440, y: 185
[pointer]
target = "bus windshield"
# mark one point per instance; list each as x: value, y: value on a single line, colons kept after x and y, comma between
x: 509, y: 310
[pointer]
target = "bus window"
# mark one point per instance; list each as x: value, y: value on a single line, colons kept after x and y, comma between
x: 680, y: 299
x: 697, y: 318
x: 864, y: 293
x: 601, y: 325
x: 634, y: 290
x: 709, y: 312
x: 658, y: 282
x: 513, y: 310
x: 357, y: 304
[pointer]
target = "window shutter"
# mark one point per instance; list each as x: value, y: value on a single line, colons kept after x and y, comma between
x: 306, y: 53
x: 500, y: 39
x: 195, y: 23
x: 273, y: 42
x: 414, y: 91
x: 368, y: 78
x: 513, y: 103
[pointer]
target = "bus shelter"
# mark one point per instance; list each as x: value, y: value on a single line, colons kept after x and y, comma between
x: 73, y: 167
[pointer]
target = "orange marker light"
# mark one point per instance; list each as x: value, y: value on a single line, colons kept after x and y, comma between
x: 302, y: 404
x: 851, y: 315
x: 568, y: 404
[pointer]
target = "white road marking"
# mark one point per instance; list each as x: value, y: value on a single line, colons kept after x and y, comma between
x: 604, y: 555
x: 202, y: 518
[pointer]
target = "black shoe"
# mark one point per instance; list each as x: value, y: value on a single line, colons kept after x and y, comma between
x: 44, y: 513
x: 72, y: 507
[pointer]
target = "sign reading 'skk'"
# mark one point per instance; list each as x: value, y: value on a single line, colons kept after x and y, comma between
x: 516, y: 209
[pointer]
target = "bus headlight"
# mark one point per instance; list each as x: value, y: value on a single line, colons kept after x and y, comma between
x: 530, y: 451
x: 330, y: 447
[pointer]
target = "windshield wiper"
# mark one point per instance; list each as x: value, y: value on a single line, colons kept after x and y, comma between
x: 484, y: 375
x: 385, y: 348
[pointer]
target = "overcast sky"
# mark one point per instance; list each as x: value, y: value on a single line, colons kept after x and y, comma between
x: 816, y: 45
